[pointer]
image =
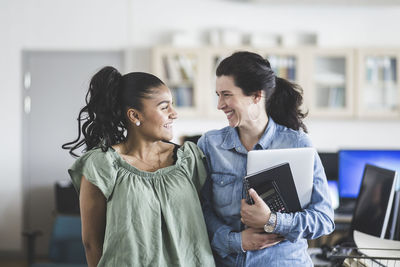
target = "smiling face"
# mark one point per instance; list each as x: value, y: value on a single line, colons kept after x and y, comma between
x: 157, y: 114
x: 232, y: 101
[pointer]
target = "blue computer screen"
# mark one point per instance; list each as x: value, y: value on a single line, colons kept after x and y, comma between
x: 352, y: 163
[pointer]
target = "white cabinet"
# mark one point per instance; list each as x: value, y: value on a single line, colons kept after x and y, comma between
x: 337, y: 83
x: 378, y: 83
x: 330, y: 82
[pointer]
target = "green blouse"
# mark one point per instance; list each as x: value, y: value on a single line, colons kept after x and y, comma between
x: 153, y: 218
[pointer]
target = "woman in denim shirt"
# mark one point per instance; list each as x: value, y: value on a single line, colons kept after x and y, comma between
x: 263, y: 113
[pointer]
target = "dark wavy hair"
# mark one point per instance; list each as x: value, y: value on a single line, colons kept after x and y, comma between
x: 252, y: 73
x: 102, y: 121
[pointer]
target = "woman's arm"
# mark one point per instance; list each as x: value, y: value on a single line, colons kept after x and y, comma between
x: 224, y: 240
x: 312, y: 222
x: 93, y: 214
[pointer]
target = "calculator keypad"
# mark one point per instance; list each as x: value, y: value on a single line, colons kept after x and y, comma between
x: 276, y: 204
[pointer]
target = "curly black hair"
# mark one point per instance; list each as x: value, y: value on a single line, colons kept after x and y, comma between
x: 103, y: 116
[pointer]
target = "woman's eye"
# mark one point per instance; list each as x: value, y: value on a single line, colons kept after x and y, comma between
x: 165, y: 107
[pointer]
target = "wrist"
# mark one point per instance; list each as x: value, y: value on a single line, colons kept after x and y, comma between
x: 270, y: 226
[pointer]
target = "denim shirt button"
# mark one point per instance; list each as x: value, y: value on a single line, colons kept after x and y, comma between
x: 222, y: 182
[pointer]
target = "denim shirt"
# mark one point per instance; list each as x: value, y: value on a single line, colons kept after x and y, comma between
x: 222, y: 194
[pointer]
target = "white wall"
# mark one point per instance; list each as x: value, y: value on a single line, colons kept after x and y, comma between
x: 106, y: 24
x: 43, y: 24
x: 335, y: 25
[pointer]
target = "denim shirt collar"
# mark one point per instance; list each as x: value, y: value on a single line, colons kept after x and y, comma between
x: 232, y: 140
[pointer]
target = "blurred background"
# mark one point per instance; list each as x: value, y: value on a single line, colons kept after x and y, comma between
x: 345, y: 55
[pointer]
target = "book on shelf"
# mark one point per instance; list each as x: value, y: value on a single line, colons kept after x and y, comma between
x: 179, y: 69
x: 187, y: 67
x: 291, y: 69
x: 337, y: 97
x: 283, y: 66
x: 183, y: 96
x: 378, y: 69
x: 172, y: 70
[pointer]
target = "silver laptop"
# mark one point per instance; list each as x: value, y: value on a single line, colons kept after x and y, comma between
x: 301, y: 161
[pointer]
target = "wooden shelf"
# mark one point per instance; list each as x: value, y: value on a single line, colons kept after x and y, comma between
x: 338, y: 72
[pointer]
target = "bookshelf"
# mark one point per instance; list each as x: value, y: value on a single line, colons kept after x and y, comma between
x: 180, y: 69
x: 337, y: 82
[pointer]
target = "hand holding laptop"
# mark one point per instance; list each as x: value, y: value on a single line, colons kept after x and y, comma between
x: 255, y: 215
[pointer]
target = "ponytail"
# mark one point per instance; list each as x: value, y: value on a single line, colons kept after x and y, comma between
x: 102, y: 117
x: 284, y: 105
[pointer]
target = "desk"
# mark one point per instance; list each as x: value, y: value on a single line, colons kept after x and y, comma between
x: 313, y: 252
x: 343, y: 218
x: 342, y: 225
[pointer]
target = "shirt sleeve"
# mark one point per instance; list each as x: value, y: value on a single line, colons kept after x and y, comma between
x: 224, y: 240
x: 98, y: 168
x: 317, y: 218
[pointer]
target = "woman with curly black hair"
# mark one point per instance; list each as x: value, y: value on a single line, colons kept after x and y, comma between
x: 263, y: 112
x: 138, y: 192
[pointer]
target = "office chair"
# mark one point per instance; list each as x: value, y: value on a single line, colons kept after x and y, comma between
x: 65, y: 246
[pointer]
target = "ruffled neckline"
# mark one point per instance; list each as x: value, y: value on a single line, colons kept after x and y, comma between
x: 182, y: 153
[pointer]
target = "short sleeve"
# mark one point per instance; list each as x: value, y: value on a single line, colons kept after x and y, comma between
x: 197, y: 165
x: 98, y: 168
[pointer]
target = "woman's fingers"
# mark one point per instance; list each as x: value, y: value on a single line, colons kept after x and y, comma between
x: 255, y: 239
x: 256, y: 215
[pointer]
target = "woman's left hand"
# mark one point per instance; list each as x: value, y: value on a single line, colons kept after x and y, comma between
x: 256, y: 215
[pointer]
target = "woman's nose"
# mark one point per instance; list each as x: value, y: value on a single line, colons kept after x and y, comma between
x: 173, y: 115
x: 221, y: 103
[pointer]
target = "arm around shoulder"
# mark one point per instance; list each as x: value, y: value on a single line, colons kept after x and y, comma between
x: 197, y: 167
x: 224, y: 240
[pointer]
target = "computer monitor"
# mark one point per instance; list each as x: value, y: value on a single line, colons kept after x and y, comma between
x: 374, y: 202
x: 352, y: 163
x: 330, y: 162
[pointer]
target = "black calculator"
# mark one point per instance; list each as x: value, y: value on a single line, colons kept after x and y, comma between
x: 274, y: 199
x: 269, y: 192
